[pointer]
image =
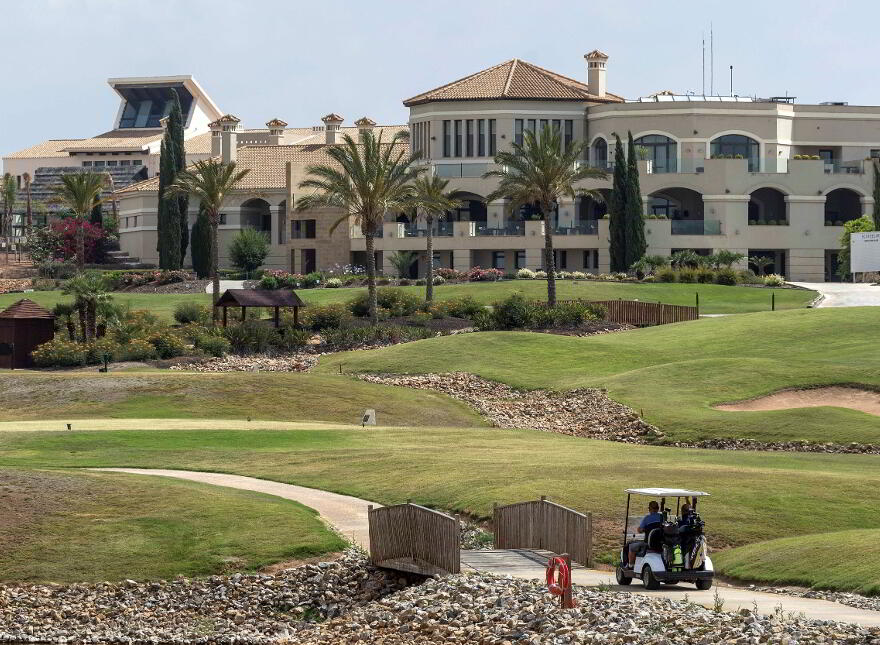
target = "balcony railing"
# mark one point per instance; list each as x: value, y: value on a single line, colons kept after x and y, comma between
x: 510, y: 229
x: 590, y: 227
x: 440, y: 229
x: 455, y: 170
x: 837, y: 167
x: 695, y: 227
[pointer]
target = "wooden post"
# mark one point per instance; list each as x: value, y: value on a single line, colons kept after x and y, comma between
x: 566, y: 601
x: 277, y: 319
x: 295, y: 316
x: 698, y: 303
x: 224, y: 315
x: 772, y: 301
x: 589, y: 541
x: 243, y: 313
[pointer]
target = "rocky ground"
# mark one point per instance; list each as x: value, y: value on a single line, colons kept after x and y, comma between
x: 584, y: 412
x: 858, y: 601
x: 8, y: 285
x: 256, y: 363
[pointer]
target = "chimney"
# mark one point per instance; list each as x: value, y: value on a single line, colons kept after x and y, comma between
x: 596, y: 66
x: 332, y: 126
x: 229, y: 137
x: 216, y: 139
x: 276, y: 131
x: 364, y: 124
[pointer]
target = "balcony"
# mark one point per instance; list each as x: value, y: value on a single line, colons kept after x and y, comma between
x: 440, y: 229
x: 590, y: 227
x: 695, y: 227
x: 837, y: 167
x: 459, y: 170
x: 511, y: 229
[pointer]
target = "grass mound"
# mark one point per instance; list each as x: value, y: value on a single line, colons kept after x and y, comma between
x: 841, y: 560
x: 89, y: 527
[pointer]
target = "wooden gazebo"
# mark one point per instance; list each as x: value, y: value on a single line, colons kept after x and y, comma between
x: 274, y: 299
x: 23, y: 326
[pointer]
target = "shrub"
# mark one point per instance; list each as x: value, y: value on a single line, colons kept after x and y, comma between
x: 421, y: 282
x: 56, y: 269
x: 514, y: 312
x: 290, y: 339
x: 726, y: 277
x: 687, y: 275
x: 421, y: 318
x: 191, y: 312
x: 450, y: 274
x: 484, y: 320
x: 356, y: 337
x: 572, y: 314
x: 404, y: 282
x: 686, y: 258
x: 213, y: 345
x: 383, y: 282
x: 332, y: 316
x: 250, y: 337
x: 311, y: 280
x: 705, y: 276
x: 540, y: 275
x: 396, y: 301
x: 563, y: 275
x: 649, y: 278
x: 438, y: 279
x: 578, y: 275
x: 463, y: 307
x: 248, y: 249
x: 747, y: 276
x: 98, y: 349
x: 94, y: 236
x: 137, y: 349
x: 666, y: 275
x: 44, y: 245
x: 59, y: 353
x: 167, y: 344
x: 476, y: 274
x: 333, y: 283
x: 525, y: 274
x: 268, y: 282
x: 774, y: 280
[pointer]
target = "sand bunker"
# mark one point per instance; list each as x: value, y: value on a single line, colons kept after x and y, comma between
x: 836, y: 396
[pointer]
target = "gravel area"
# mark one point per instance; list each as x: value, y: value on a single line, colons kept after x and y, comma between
x: 8, y: 285
x: 871, y: 603
x: 581, y: 413
x: 488, y: 609
x: 257, y: 608
x: 191, y: 286
x: 256, y: 363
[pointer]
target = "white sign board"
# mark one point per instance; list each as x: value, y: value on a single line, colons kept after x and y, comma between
x: 864, y: 251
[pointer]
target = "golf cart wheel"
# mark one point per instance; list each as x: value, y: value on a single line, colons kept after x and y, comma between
x: 621, y: 579
x: 649, y: 580
x: 704, y: 585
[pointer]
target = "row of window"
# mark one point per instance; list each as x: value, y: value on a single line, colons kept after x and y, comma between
x: 499, y: 259
x: 421, y: 138
x: 469, y: 138
x: 112, y: 162
x: 536, y: 125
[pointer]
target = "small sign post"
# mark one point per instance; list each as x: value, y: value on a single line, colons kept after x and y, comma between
x: 369, y: 418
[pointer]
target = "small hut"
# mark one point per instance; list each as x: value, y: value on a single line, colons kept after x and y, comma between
x: 23, y: 326
x: 244, y: 298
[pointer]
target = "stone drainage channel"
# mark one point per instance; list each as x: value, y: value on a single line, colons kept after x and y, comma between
x: 348, y: 515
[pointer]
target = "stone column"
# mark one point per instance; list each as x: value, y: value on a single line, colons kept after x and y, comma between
x: 567, y: 213
x: 461, y: 259
x: 495, y: 215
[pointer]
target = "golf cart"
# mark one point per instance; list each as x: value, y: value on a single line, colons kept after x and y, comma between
x: 671, y: 550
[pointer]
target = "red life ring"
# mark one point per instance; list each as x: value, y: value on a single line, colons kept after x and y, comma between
x: 558, y: 584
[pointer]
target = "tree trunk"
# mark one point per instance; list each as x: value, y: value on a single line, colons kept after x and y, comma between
x: 83, y: 323
x: 71, y: 329
x: 30, y: 215
x: 429, y: 285
x: 549, y: 260
x: 215, y: 265
x: 91, y: 319
x: 80, y: 244
x: 371, y: 278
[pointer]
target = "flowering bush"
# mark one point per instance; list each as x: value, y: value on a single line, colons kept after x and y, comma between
x: 774, y: 280
x: 59, y: 353
x: 94, y: 239
x: 540, y: 275
x: 167, y: 344
x: 129, y: 279
x: 563, y: 275
x: 476, y: 274
x: 525, y: 274
x: 278, y: 279
x: 438, y: 279
x: 578, y: 275
x: 333, y: 283
x: 450, y: 274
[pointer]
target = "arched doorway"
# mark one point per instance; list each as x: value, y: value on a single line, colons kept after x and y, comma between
x: 599, y: 154
x: 473, y: 209
x: 767, y: 206
x: 661, y: 151
x: 842, y: 205
x: 684, y: 207
x: 737, y: 146
x: 256, y: 214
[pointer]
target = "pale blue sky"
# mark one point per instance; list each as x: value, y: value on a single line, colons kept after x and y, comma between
x: 296, y: 60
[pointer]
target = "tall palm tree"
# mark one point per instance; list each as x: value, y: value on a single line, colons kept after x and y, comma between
x: 8, y: 189
x: 366, y: 180
x: 434, y: 201
x: 90, y: 291
x: 539, y: 171
x: 29, y: 222
x: 210, y: 181
x: 111, y: 187
x: 81, y: 192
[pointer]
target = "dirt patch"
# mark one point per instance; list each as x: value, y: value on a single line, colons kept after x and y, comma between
x: 192, y: 286
x: 278, y: 567
x: 836, y: 396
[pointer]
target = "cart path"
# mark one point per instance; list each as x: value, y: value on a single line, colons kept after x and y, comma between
x: 844, y: 294
x: 348, y: 515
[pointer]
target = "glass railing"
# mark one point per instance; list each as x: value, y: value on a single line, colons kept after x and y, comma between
x: 411, y: 230
x: 835, y: 167
x: 455, y: 170
x: 662, y: 167
x: 695, y: 227
x: 443, y: 229
x: 510, y: 229
x: 584, y: 228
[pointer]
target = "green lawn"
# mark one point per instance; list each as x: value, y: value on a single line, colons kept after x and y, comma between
x: 845, y: 560
x: 674, y: 373
x: 81, y: 526
x: 714, y: 299
x: 755, y: 496
x: 235, y: 395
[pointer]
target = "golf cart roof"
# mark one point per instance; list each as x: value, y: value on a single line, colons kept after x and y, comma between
x: 666, y: 492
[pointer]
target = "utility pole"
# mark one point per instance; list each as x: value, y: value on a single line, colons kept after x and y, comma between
x: 731, y: 80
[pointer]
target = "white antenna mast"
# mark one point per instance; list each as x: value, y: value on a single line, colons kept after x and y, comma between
x: 711, y: 60
x: 704, y: 63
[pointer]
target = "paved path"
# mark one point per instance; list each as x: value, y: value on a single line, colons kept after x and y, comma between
x: 349, y: 516
x: 224, y: 285
x: 845, y: 294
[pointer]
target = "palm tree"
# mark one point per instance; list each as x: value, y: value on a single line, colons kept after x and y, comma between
x: 761, y: 262
x: 111, y: 186
x: 29, y: 222
x: 8, y: 189
x: 210, y: 181
x: 366, y: 180
x: 539, y: 171
x: 81, y: 192
x: 89, y: 290
x: 432, y: 199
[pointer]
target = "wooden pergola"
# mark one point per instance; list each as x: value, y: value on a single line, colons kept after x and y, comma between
x: 244, y: 298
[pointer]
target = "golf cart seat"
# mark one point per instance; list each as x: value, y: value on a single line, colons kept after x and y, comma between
x: 654, y: 538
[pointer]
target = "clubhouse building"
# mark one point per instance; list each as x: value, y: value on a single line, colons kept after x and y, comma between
x: 757, y: 176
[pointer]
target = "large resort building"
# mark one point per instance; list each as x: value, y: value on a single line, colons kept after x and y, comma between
x: 757, y: 176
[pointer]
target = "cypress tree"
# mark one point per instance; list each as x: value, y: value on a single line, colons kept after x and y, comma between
x: 635, y: 245
x: 169, y: 213
x: 200, y: 245
x: 175, y: 130
x: 617, y: 211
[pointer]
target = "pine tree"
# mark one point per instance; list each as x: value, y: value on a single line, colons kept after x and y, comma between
x: 635, y: 245
x: 175, y: 130
x: 200, y: 245
x: 169, y: 213
x: 617, y: 211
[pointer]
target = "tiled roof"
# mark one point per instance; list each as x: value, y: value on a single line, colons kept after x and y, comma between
x: 50, y: 148
x: 596, y: 54
x: 119, y: 140
x: 25, y: 308
x: 199, y: 144
x: 365, y: 121
x: 276, y: 123
x: 513, y: 79
x: 333, y: 118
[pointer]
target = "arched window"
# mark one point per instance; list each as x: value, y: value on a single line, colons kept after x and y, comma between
x: 600, y: 154
x: 661, y: 150
x: 737, y: 146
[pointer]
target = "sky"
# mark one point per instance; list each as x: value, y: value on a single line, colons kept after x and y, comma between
x: 260, y: 59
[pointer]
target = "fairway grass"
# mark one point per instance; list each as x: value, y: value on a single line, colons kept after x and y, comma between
x: 714, y: 299
x: 261, y: 396
x: 755, y: 496
x: 674, y: 374
x: 89, y: 527
x: 841, y: 560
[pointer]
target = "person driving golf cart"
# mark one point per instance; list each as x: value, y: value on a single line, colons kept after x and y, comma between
x: 652, y: 520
